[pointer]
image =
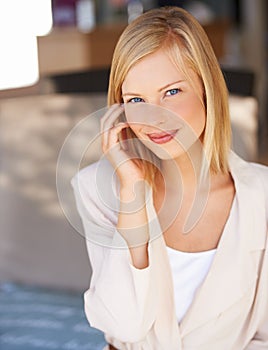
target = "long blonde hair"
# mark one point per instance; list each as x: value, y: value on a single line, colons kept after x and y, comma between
x: 187, y: 44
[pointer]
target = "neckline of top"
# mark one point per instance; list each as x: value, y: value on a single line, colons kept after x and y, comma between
x: 204, y: 252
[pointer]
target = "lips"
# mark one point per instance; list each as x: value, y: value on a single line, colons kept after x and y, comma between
x: 162, y: 137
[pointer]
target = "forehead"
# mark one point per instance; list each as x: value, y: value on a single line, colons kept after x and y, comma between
x: 156, y: 69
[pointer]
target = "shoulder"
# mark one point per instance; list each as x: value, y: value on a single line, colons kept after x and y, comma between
x: 90, y: 174
x: 252, y: 174
x: 259, y: 177
x: 262, y: 172
x: 98, y: 184
x: 251, y: 181
x: 98, y: 176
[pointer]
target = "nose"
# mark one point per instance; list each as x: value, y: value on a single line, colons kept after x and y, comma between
x: 156, y: 113
x: 154, y: 101
x: 147, y: 114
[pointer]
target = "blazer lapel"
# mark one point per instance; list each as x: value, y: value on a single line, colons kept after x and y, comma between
x: 232, y: 271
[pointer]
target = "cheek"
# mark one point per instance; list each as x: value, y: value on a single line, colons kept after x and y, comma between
x: 192, y: 111
x: 135, y: 128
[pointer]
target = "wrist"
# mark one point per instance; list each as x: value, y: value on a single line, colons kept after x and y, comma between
x: 133, y: 190
x: 133, y: 198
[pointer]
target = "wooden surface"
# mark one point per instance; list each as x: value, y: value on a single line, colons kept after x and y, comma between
x: 68, y: 50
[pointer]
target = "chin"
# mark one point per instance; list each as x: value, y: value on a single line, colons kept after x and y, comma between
x: 166, y: 152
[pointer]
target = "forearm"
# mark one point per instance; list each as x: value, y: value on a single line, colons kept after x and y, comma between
x: 133, y: 223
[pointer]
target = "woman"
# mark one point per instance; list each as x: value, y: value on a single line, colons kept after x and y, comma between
x: 155, y: 284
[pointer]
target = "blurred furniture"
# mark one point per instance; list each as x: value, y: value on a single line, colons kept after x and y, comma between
x: 244, y: 112
x: 239, y: 82
x: 244, y: 122
x: 66, y: 50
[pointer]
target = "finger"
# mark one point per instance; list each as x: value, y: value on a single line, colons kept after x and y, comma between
x: 111, y: 136
x: 109, y: 118
x: 114, y: 150
x: 108, y: 113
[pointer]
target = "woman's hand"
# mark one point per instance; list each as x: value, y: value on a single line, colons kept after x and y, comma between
x: 129, y: 169
x: 132, y: 219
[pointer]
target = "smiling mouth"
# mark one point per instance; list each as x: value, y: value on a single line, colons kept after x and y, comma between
x: 162, y: 137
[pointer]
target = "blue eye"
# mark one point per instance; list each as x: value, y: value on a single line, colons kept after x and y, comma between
x: 135, y: 100
x: 172, y: 92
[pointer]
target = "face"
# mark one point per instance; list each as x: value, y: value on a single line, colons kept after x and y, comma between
x: 156, y: 82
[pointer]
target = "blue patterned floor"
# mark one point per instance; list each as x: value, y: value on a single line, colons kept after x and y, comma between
x: 36, y: 318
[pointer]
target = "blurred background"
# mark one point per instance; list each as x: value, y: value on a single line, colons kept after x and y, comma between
x: 54, y: 68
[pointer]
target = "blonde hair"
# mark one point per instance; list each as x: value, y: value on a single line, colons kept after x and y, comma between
x: 187, y: 44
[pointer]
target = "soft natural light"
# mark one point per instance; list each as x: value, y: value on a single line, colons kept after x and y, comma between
x: 20, y: 23
x: 18, y: 60
x: 42, y: 19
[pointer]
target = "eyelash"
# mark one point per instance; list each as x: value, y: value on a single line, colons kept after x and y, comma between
x: 176, y: 90
x: 131, y: 100
x: 167, y: 93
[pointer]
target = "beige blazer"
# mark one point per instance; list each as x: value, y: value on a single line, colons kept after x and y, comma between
x: 135, y: 307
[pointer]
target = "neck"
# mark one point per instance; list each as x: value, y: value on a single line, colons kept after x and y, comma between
x: 183, y: 182
x: 190, y: 169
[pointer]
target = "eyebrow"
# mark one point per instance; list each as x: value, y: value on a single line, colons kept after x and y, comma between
x: 130, y: 94
x: 159, y: 90
x: 169, y: 84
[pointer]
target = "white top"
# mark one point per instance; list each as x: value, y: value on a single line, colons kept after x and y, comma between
x: 188, y: 271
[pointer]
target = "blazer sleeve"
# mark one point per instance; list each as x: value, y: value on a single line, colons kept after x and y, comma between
x: 260, y: 339
x: 121, y: 300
